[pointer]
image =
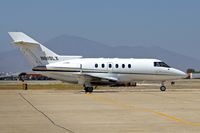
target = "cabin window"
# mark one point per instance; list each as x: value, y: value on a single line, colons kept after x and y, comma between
x: 110, y: 65
x: 116, y: 65
x: 129, y: 65
x: 96, y: 65
x: 102, y: 65
x: 123, y: 65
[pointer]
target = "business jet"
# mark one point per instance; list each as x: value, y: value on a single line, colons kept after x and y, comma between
x: 92, y: 72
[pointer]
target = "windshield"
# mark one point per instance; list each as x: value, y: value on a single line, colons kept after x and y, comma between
x: 161, y: 64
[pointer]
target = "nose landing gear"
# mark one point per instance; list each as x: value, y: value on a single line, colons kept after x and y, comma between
x: 162, y: 87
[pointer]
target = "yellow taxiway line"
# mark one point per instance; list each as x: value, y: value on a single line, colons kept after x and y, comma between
x: 127, y: 106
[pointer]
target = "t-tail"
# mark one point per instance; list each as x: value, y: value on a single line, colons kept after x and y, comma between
x: 36, y: 53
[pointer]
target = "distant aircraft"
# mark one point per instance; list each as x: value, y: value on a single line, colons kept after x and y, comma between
x: 91, y: 72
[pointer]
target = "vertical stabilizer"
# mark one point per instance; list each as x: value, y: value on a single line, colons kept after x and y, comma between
x: 36, y: 53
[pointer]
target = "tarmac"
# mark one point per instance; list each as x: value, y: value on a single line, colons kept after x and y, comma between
x: 120, y: 110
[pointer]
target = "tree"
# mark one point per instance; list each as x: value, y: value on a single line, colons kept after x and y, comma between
x: 190, y: 70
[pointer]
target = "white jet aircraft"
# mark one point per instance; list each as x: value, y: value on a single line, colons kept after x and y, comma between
x: 91, y: 72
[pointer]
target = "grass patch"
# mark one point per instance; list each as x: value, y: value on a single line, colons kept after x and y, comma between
x: 42, y: 87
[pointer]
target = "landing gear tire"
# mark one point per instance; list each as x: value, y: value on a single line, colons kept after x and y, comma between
x: 88, y: 89
x: 162, y: 88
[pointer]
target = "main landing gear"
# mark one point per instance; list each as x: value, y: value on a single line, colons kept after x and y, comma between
x: 88, y: 89
x: 162, y: 87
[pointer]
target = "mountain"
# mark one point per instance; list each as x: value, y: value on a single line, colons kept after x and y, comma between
x: 73, y: 45
x: 14, y: 61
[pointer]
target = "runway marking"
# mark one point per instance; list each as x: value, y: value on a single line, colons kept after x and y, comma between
x: 127, y: 106
x: 173, y: 97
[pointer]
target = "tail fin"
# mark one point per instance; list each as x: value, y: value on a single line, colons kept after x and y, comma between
x: 35, y: 52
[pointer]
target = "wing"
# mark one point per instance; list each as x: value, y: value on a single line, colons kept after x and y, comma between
x: 96, y: 78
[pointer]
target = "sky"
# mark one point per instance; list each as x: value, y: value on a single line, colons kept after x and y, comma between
x: 169, y: 24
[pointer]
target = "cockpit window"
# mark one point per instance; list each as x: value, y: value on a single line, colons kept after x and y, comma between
x: 161, y: 64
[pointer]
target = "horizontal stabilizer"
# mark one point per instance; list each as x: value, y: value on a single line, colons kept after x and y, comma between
x: 20, y: 38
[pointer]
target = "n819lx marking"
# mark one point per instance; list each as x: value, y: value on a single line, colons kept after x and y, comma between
x: 49, y: 58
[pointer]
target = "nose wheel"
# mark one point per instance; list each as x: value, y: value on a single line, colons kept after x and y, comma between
x: 162, y: 87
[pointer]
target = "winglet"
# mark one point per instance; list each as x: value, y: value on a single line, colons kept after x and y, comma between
x: 20, y: 37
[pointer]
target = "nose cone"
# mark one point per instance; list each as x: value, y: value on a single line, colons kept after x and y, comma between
x: 178, y: 73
